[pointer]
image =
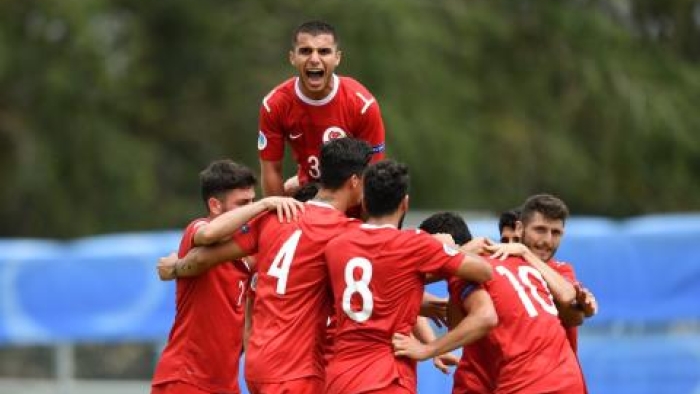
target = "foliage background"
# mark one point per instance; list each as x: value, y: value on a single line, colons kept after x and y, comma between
x: 110, y: 108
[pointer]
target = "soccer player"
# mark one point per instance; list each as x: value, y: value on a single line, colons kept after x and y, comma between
x: 527, y: 352
x: 541, y: 229
x: 507, y: 224
x: 292, y: 297
x: 377, y: 274
x: 206, y: 338
x: 312, y: 108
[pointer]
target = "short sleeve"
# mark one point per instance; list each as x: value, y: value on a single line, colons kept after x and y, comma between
x: 270, y: 134
x: 371, y: 126
x: 459, y: 289
x: 436, y: 257
x: 248, y: 235
x: 565, y: 270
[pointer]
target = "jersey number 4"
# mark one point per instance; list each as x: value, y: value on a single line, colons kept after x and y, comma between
x: 523, y: 278
x: 283, y: 262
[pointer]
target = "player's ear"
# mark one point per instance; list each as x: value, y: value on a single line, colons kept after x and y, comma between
x: 214, y: 205
x: 338, y: 57
x: 291, y: 57
x: 355, y: 181
x: 404, y: 203
x: 519, y: 227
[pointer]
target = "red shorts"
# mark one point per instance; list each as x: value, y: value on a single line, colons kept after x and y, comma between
x: 309, y: 385
x: 177, y: 388
x: 394, y: 388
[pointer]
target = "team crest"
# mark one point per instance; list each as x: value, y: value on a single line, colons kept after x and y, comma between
x: 262, y: 140
x: 333, y: 133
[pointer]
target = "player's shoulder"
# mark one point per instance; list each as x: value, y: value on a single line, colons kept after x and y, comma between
x: 352, y: 88
x: 280, y: 94
x: 562, y: 265
x: 195, y: 224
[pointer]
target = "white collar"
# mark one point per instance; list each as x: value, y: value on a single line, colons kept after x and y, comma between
x: 323, y: 101
x: 320, y: 204
x: 371, y: 226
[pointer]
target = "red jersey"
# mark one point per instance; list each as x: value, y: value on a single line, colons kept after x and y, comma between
x: 349, y: 110
x: 377, y: 276
x: 528, y: 352
x: 292, y: 295
x: 206, y: 339
x: 567, y: 271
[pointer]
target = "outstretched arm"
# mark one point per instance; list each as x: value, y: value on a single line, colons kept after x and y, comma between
x: 562, y: 290
x: 198, y: 260
x: 228, y: 223
x: 474, y: 269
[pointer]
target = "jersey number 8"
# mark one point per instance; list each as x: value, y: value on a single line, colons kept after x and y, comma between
x: 360, y: 287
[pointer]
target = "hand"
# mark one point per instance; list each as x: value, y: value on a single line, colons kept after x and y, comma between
x: 586, y: 300
x: 291, y: 186
x: 287, y: 207
x: 166, y: 267
x: 443, y: 362
x: 408, y: 346
x: 476, y: 245
x: 503, y: 251
x: 445, y: 238
x: 435, y: 309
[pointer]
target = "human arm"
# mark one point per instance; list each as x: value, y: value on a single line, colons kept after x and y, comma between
x: 562, y: 290
x: 229, y: 222
x: 434, y: 308
x: 198, y: 260
x: 479, y: 320
x: 586, y: 301
x: 476, y: 245
x: 474, y: 269
x: 471, y: 267
x: 272, y: 180
x: 424, y: 333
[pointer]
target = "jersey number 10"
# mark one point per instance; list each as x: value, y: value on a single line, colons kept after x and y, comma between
x: 523, y: 278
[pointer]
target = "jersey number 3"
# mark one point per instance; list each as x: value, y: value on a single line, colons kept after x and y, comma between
x: 360, y: 287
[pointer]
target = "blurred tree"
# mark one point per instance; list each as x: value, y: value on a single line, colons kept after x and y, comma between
x: 110, y: 108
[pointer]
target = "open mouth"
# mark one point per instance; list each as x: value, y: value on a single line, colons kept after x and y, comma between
x: 315, y: 76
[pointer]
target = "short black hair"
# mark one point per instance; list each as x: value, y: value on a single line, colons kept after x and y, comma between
x: 549, y: 206
x: 342, y: 158
x: 314, y: 28
x: 385, y: 186
x: 508, y: 219
x: 447, y: 223
x: 222, y: 176
x: 306, y: 192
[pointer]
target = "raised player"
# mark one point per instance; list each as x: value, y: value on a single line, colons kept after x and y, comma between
x: 527, y: 352
x: 312, y: 108
x: 292, y: 300
x: 377, y: 273
x: 210, y: 307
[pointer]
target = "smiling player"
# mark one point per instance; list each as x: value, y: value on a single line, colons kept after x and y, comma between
x: 313, y: 108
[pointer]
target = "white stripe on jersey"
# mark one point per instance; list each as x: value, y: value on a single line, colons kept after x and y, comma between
x: 366, y: 101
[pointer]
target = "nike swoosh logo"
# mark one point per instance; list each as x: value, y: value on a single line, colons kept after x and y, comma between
x: 295, y: 136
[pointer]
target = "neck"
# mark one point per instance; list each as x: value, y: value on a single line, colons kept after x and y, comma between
x: 333, y: 198
x: 392, y: 219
